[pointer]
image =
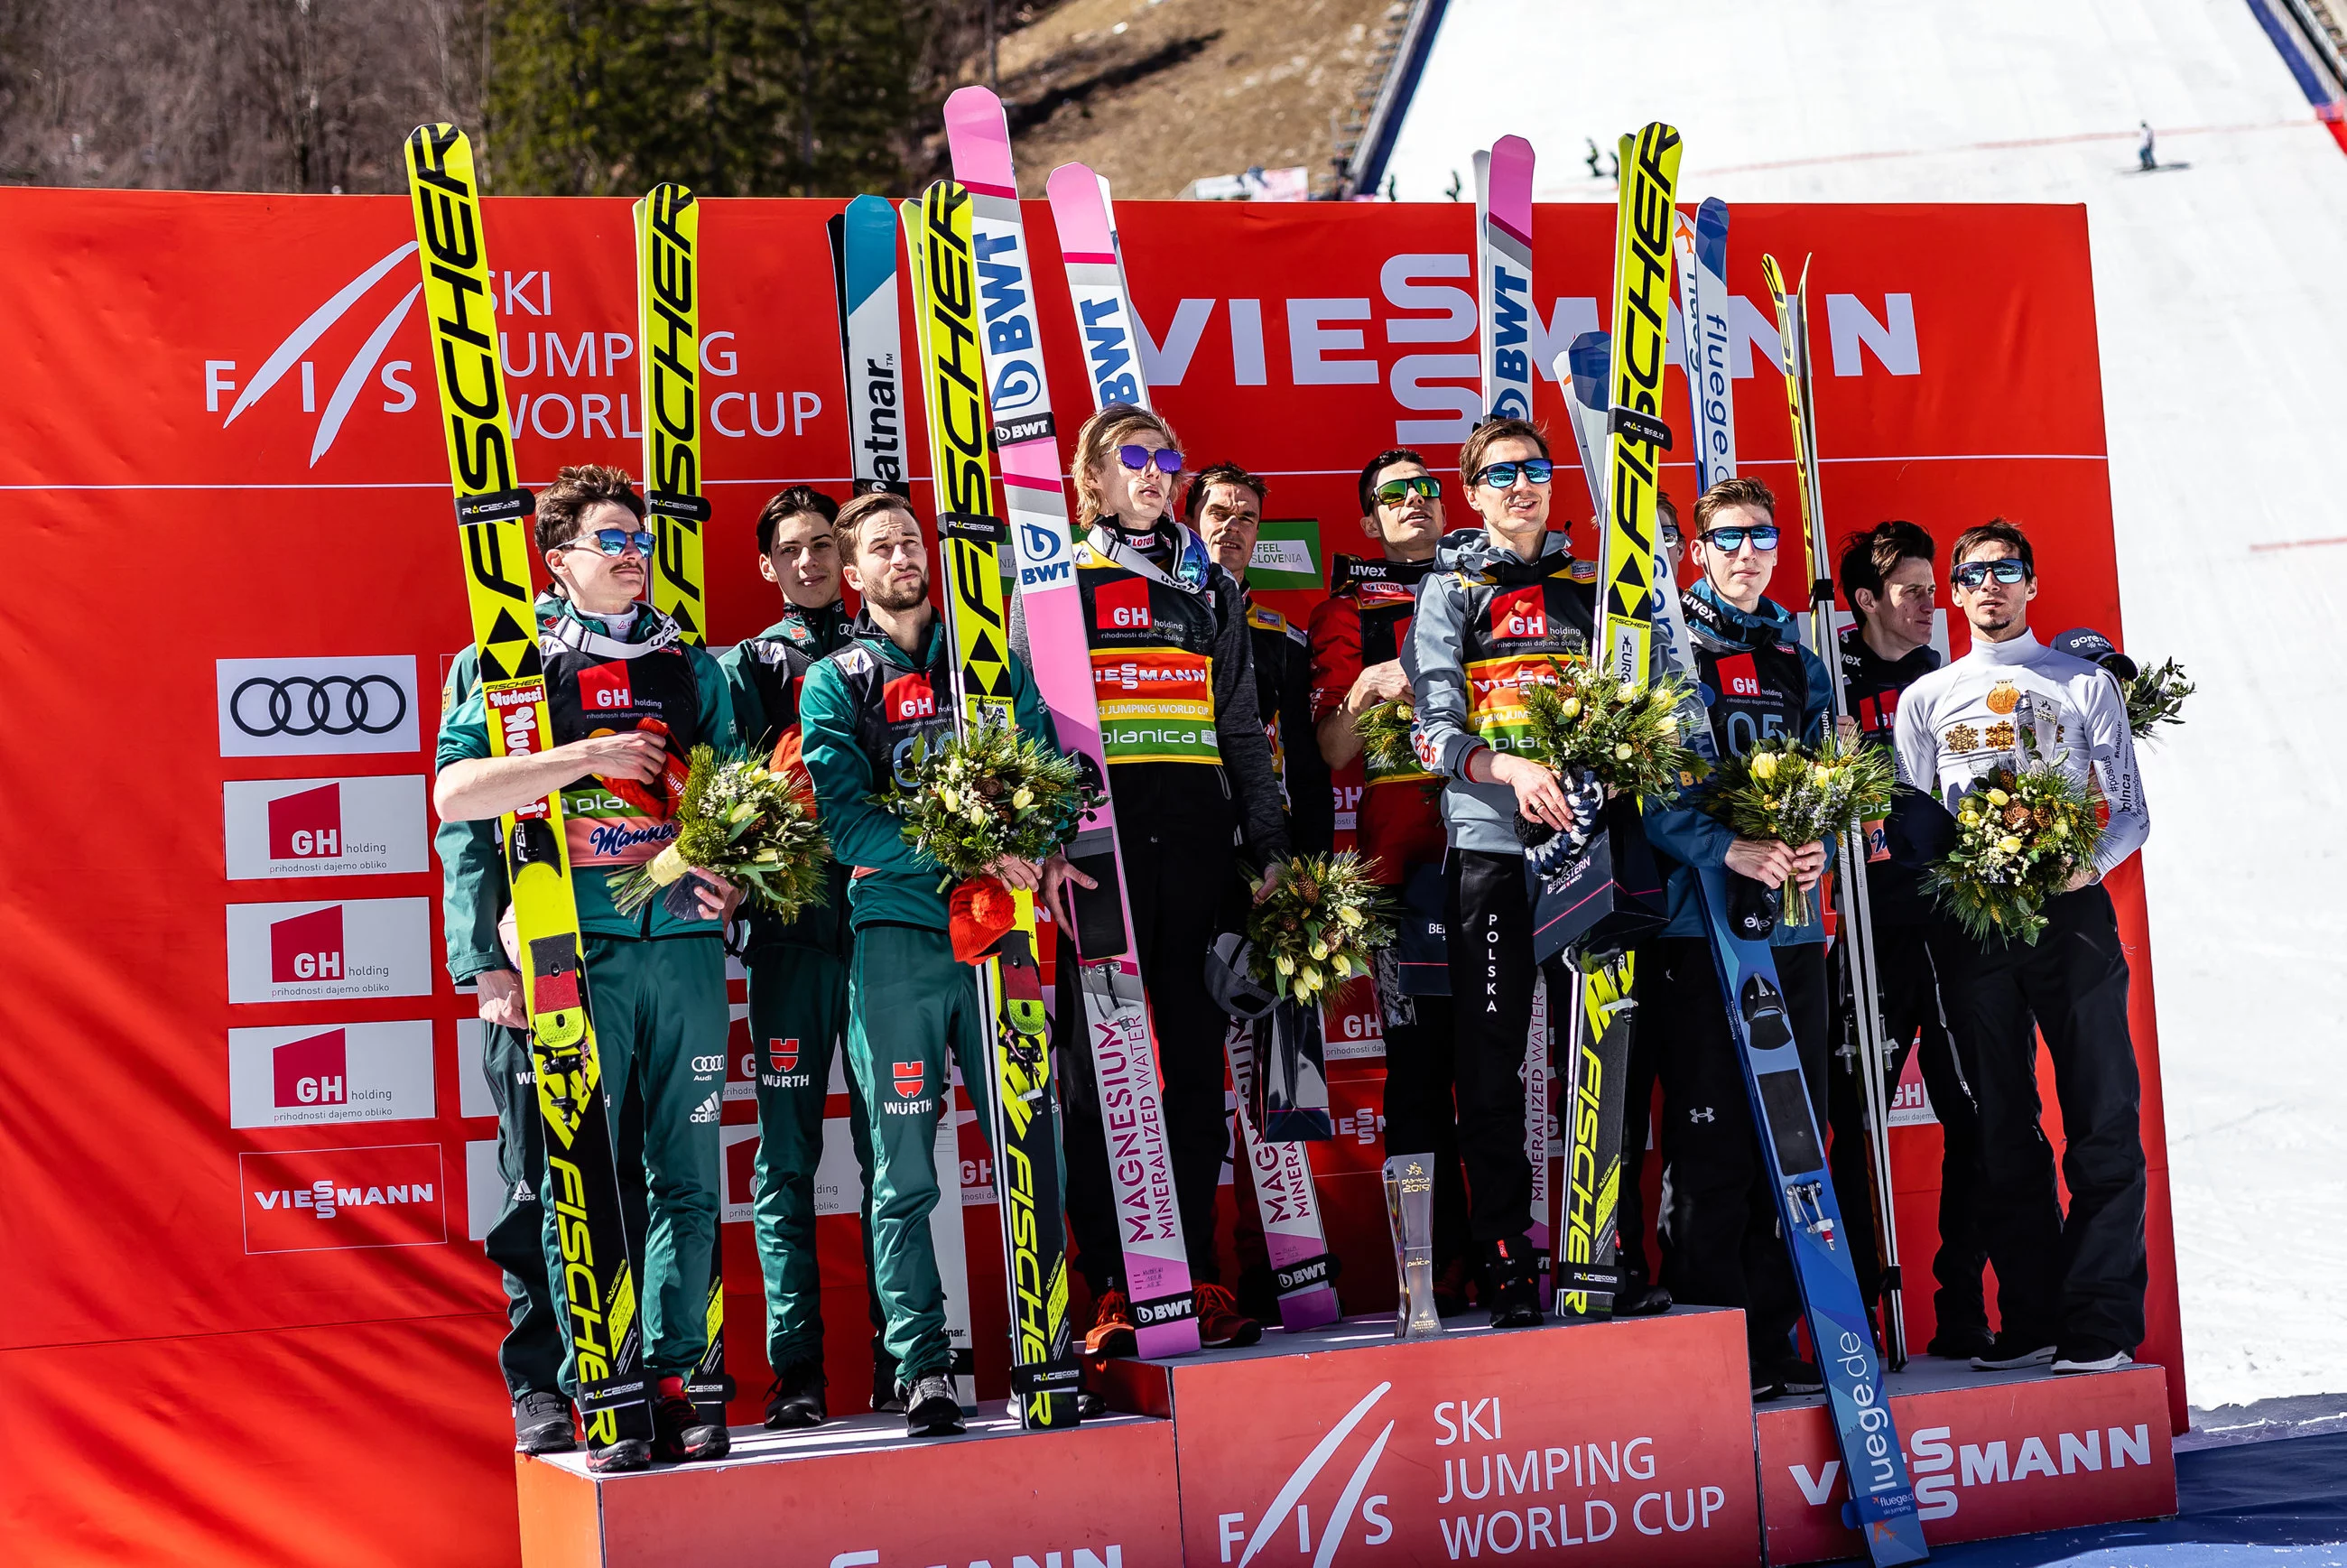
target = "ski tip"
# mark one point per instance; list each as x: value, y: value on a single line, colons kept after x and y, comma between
x: 964, y: 103
x: 869, y: 207
x: 978, y: 136
x: 1513, y: 146
x: 1713, y: 211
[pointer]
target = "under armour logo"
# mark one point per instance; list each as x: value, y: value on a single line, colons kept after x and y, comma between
x: 1701, y: 1113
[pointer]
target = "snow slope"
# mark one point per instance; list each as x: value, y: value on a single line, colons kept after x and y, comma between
x: 2219, y: 337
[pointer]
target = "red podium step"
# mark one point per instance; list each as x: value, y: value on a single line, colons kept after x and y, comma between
x: 1627, y: 1442
x: 857, y: 1494
x: 1992, y: 1453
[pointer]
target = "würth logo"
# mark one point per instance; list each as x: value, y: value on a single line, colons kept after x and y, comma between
x: 908, y: 697
x: 909, y: 1075
x: 307, y: 946
x: 1523, y: 613
x: 604, y: 688
x: 313, y: 1071
x: 784, y: 1054
x: 1122, y: 606
x: 1736, y: 676
x: 307, y: 825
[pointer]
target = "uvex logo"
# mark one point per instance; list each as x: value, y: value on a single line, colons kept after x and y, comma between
x: 604, y: 688
x: 908, y: 697
x: 307, y: 825
x: 1122, y: 606
x: 219, y: 374
x: 1736, y: 676
x: 1523, y: 613
x: 1232, y: 1528
x: 307, y: 946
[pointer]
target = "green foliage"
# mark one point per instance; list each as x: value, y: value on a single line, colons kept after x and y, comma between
x: 732, y: 98
x: 748, y: 824
x: 1384, y: 729
x: 993, y: 791
x: 1318, y: 926
x: 2155, y: 697
x: 1796, y: 795
x: 1624, y: 733
x: 2020, y: 838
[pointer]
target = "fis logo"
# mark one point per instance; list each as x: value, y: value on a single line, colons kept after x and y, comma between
x: 1736, y: 676
x: 1243, y: 1544
x: 290, y: 356
x: 604, y: 688
x: 313, y: 1071
x: 709, y: 1110
x: 1122, y: 606
x: 307, y: 946
x: 907, y: 698
x: 307, y: 825
x: 1521, y: 614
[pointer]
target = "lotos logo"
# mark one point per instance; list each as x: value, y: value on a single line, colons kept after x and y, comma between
x: 784, y: 1054
x: 307, y: 825
x: 1523, y: 613
x: 604, y: 688
x: 907, y: 698
x: 313, y: 1071
x: 307, y: 946
x: 323, y: 1199
x: 1122, y: 606
x: 1736, y: 676
x: 909, y: 1075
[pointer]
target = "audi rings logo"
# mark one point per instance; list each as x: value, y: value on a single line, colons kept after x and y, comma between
x: 311, y: 707
x: 335, y: 706
x: 708, y: 1064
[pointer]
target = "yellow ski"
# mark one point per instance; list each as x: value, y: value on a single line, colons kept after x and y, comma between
x: 1642, y: 307
x: 668, y: 347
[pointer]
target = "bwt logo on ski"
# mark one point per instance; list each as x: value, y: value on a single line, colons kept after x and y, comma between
x: 307, y: 946
x: 1122, y: 606
x: 908, y: 697
x: 324, y: 1199
x: 605, y: 687
x: 1737, y: 677
x: 313, y: 1071
x: 1524, y: 613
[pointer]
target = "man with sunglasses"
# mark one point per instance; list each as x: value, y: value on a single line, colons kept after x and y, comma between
x: 2071, y: 1289
x: 1889, y: 579
x: 798, y: 980
x: 1357, y: 635
x: 1502, y: 600
x: 627, y: 700
x: 1759, y: 684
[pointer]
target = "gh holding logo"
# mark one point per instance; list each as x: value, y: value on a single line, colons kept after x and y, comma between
x: 308, y: 826
x: 1521, y: 614
x: 307, y: 946
x: 313, y: 1071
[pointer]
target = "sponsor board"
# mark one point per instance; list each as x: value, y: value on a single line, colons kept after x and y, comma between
x: 1910, y: 1103
x: 484, y: 1188
x: 324, y: 1200
x: 315, y: 952
x: 1532, y: 1445
x: 323, y: 827
x: 313, y: 706
x: 1990, y: 1455
x: 310, y: 1073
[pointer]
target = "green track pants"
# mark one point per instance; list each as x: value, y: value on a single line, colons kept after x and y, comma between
x: 911, y: 1004
x: 660, y: 1023
x: 798, y: 1015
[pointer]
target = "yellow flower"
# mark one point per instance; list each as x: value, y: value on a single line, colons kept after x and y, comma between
x: 1998, y: 797
x: 1569, y: 708
x: 1352, y: 917
x: 2009, y: 843
x: 1629, y: 691
x: 949, y: 800
x: 1320, y: 950
x: 1310, y: 979
x: 1764, y: 765
x: 977, y: 814
x: 1023, y: 799
x: 1622, y: 754
x: 1969, y: 819
x: 2059, y: 830
x: 1286, y: 964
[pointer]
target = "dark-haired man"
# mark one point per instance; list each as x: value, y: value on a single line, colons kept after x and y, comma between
x: 629, y: 700
x: 798, y: 980
x: 2070, y: 1290
x: 1889, y: 579
x: 1357, y: 635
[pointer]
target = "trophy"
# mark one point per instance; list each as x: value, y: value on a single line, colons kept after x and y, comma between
x: 1409, y: 1209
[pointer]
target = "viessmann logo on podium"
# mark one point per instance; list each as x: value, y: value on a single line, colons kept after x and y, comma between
x: 316, y: 1200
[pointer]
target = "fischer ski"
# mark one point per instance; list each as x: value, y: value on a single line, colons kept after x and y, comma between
x: 863, y: 268
x: 1856, y: 935
x: 1044, y: 1372
x: 598, y: 1283
x: 1115, y: 1019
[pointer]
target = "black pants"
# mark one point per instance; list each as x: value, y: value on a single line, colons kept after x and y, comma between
x: 1421, y: 1108
x: 1487, y: 922
x: 1638, y: 1112
x: 1909, y: 960
x: 2058, y: 1281
x: 1177, y: 883
x: 531, y: 1355
x: 1725, y: 1246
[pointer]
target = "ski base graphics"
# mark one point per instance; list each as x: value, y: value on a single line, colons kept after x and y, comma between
x: 493, y: 515
x: 1793, y: 1153
x: 1596, y: 1109
x: 1285, y: 1199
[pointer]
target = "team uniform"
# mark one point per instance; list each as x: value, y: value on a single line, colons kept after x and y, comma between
x: 1192, y: 774
x: 1911, y: 960
x: 2075, y: 1284
x: 798, y: 1016
x: 655, y: 980
x: 914, y: 1010
x: 1281, y: 654
x: 1364, y: 621
x: 1719, y: 1226
x: 1486, y: 622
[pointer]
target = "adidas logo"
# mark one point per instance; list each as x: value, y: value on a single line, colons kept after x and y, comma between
x: 709, y: 1109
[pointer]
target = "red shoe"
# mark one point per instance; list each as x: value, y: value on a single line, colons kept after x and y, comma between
x: 679, y: 1434
x: 1220, y: 1321
x: 1112, y: 1331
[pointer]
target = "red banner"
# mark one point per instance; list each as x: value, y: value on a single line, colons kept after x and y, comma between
x: 230, y: 501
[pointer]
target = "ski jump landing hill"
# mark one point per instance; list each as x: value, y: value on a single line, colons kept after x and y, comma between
x: 248, y: 1142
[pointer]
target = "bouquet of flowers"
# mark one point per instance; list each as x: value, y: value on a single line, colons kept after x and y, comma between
x: 2155, y: 697
x: 1796, y: 795
x: 746, y: 823
x: 1317, y: 927
x: 2021, y: 834
x: 1385, y: 735
x: 1626, y: 734
x: 994, y: 790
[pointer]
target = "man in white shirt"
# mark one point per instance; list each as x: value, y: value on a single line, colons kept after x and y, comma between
x: 2071, y: 1290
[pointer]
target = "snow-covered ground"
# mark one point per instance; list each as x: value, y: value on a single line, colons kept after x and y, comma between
x: 2220, y: 325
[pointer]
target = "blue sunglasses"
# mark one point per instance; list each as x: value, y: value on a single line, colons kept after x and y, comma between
x: 615, y: 541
